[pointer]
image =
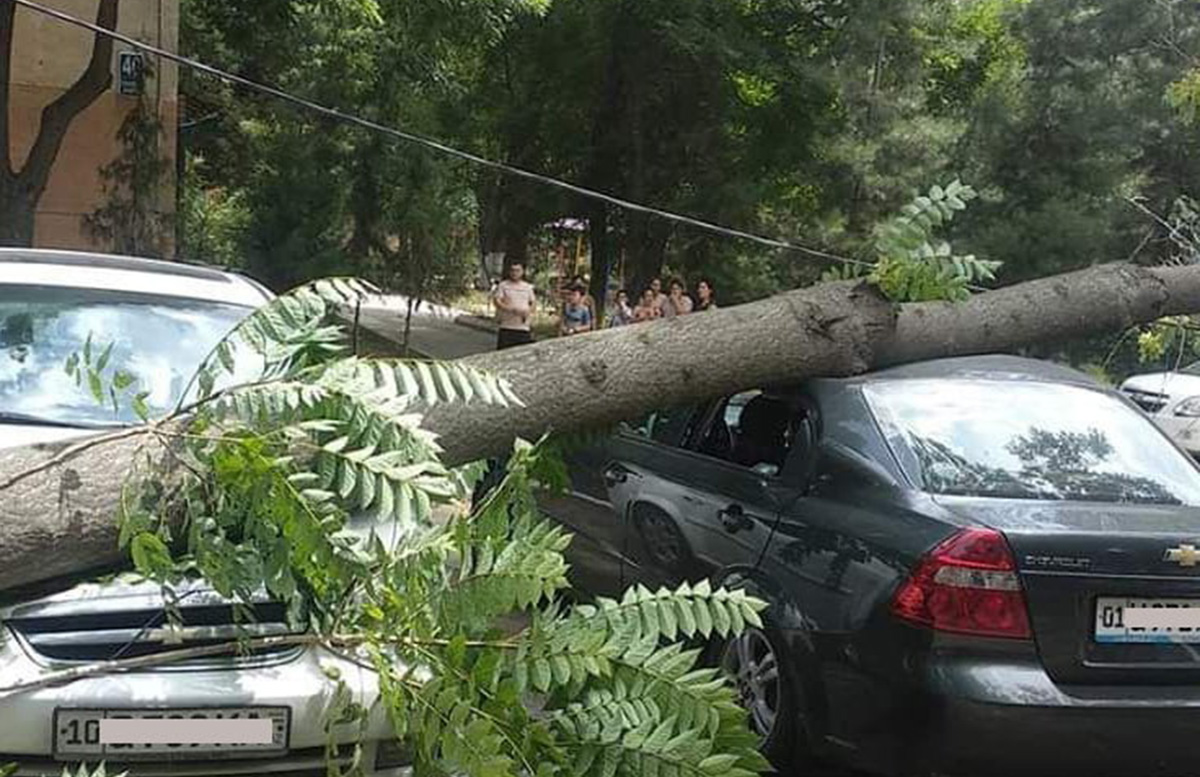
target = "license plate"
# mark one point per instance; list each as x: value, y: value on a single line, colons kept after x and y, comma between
x: 184, y: 732
x: 1134, y: 620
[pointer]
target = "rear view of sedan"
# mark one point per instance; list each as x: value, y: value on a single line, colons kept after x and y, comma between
x: 980, y: 566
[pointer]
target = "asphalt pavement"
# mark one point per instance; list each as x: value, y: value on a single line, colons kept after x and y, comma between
x: 434, y: 332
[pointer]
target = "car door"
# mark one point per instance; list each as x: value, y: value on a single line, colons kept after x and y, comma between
x: 703, y: 507
x: 584, y: 509
x: 602, y: 477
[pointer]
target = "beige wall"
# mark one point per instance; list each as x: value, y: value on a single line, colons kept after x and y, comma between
x: 48, y: 56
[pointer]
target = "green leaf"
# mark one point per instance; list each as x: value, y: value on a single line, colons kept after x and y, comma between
x: 95, y: 385
x: 123, y: 380
x: 428, y: 387
x: 139, y: 405
x: 225, y: 355
x: 102, y: 362
x: 150, y: 554
x: 336, y: 446
x: 540, y: 674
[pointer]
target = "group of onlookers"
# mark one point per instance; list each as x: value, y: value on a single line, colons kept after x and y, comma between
x: 515, y: 301
x: 654, y: 304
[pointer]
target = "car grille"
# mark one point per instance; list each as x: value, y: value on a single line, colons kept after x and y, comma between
x: 108, y: 628
x: 1149, y: 401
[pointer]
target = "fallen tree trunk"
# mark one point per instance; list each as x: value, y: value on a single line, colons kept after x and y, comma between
x: 60, y: 520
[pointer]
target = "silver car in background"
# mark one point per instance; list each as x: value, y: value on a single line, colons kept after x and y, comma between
x: 1172, y: 400
x: 163, y: 319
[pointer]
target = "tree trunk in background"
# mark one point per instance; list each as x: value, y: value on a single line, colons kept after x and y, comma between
x: 16, y: 217
x: 60, y: 520
x: 645, y: 252
x: 601, y: 245
x: 21, y: 190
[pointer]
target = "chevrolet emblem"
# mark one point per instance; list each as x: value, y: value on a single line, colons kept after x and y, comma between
x: 1184, y: 555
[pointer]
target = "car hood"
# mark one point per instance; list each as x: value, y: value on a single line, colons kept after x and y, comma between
x: 1175, y: 384
x: 16, y: 435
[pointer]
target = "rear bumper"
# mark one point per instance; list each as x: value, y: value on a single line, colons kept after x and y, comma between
x: 985, y: 719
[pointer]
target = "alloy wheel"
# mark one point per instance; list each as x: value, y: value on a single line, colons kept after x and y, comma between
x: 752, y: 664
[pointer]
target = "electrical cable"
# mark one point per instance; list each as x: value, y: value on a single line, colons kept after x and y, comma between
x: 436, y: 145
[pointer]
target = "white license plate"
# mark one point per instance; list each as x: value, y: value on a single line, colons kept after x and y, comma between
x: 1131, y: 620
x: 184, y: 732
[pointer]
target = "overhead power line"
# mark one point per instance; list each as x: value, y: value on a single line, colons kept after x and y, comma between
x: 435, y: 145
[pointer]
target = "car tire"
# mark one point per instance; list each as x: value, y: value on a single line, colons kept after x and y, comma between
x: 766, y: 683
x: 663, y: 541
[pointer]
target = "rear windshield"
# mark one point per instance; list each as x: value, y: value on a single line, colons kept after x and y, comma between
x: 1031, y: 441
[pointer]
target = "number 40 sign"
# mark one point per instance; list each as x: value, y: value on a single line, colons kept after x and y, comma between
x: 132, y: 72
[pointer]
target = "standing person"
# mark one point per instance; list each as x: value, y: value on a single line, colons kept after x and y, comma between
x: 515, y: 301
x: 660, y: 299
x: 577, y: 316
x: 705, y: 295
x: 622, y: 314
x: 588, y: 299
x: 647, y: 309
x: 678, y: 303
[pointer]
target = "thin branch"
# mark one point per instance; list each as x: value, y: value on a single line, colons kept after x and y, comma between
x: 73, y: 451
x: 165, y: 658
x: 116, y: 666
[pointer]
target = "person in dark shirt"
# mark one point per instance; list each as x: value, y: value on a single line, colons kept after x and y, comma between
x: 622, y: 314
x: 705, y: 295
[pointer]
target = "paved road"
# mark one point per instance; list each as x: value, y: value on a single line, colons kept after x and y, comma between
x: 434, y: 333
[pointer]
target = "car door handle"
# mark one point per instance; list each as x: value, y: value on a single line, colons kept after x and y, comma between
x: 734, y: 519
x: 616, y: 474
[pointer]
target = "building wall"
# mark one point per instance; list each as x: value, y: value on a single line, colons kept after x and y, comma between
x: 48, y: 55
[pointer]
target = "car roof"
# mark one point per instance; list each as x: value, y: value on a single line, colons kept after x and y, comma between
x: 994, y: 367
x: 78, y: 269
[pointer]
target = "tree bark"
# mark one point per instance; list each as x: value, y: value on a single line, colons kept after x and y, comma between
x: 60, y: 520
x: 22, y: 190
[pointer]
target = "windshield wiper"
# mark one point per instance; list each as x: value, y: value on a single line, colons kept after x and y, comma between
x: 7, y: 417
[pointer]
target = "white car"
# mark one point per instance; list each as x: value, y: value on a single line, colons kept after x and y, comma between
x: 163, y: 318
x: 1172, y: 399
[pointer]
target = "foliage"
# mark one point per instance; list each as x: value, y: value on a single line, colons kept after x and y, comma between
x: 107, y: 386
x: 1169, y: 341
x: 315, y: 482
x: 910, y: 267
x: 213, y: 220
x: 1184, y: 96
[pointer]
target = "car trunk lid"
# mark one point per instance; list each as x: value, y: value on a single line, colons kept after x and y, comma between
x: 1076, y: 558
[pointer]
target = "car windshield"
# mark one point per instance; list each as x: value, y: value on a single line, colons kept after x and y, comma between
x: 1031, y: 441
x: 158, y: 340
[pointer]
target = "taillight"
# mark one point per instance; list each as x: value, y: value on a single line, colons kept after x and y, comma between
x: 968, y: 585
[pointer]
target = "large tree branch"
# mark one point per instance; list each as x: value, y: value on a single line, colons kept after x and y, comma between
x: 58, y: 115
x: 60, y: 520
